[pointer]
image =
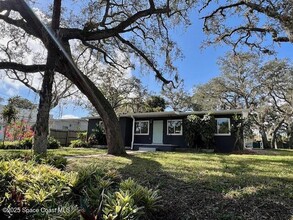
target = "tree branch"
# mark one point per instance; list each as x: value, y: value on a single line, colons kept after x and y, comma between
x: 148, y: 61
x: 22, y: 67
x: 74, y: 33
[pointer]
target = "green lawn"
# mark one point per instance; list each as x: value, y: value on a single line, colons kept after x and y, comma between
x: 206, y: 186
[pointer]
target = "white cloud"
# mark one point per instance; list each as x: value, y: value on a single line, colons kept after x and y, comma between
x: 68, y: 116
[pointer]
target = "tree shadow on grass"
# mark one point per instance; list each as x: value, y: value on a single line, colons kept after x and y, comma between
x: 238, y: 195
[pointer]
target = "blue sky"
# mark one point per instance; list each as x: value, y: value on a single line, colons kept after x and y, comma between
x: 198, y: 66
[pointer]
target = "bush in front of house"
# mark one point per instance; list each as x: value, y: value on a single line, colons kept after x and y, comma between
x: 53, y: 143
x: 98, y: 136
x: 79, y: 144
x: 199, y: 132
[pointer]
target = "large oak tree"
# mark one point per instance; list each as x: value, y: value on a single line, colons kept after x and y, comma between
x: 101, y: 28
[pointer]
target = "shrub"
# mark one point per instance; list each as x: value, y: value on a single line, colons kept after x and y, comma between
x: 105, y: 194
x: 149, y: 199
x: 26, y: 143
x: 57, y: 161
x: 30, y: 185
x: 82, y: 136
x: 89, y: 194
x: 78, y: 144
x: 199, y: 132
x: 53, y: 143
x: 98, y: 136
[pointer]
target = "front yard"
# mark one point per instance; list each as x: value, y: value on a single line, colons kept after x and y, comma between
x: 205, y: 186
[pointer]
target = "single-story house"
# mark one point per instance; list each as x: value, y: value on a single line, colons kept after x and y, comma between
x: 69, y: 124
x: 67, y: 130
x: 164, y: 130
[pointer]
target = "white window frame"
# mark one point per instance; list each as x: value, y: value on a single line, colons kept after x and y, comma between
x: 142, y: 133
x: 229, y: 127
x: 181, y: 132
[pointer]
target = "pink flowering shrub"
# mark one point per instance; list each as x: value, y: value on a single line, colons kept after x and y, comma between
x: 18, y: 131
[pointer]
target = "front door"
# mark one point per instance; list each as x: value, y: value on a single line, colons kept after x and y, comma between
x: 157, y: 131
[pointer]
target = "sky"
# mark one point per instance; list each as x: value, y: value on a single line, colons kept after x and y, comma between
x: 197, y: 67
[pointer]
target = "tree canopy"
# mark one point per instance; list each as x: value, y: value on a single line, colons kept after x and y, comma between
x: 265, y: 88
x: 100, y: 30
x: 19, y: 102
x: 256, y: 24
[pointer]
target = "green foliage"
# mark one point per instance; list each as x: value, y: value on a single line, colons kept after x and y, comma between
x: 27, y: 185
x: 98, y: 136
x: 26, y: 143
x: 82, y: 136
x: 23, y: 144
x: 20, y: 102
x: 53, y: 143
x: 53, y: 160
x: 191, y: 126
x: 30, y: 182
x: 9, y: 113
x: 57, y: 161
x: 155, y: 104
x: 208, y: 130
x: 199, y: 132
x: 79, y: 144
x: 103, y: 194
x: 149, y: 199
x: 121, y: 205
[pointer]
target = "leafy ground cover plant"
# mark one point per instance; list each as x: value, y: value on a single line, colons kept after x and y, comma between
x: 27, y: 143
x: 30, y: 189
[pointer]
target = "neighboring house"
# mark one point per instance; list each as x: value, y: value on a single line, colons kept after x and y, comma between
x: 67, y: 130
x: 164, y: 130
x: 28, y: 115
x: 71, y: 124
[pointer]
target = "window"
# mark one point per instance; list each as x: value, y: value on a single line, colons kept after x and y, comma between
x: 142, y: 127
x: 174, y: 127
x: 64, y: 127
x: 223, y: 126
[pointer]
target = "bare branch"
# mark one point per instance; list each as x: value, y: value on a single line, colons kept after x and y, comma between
x: 22, y: 67
x: 148, y: 61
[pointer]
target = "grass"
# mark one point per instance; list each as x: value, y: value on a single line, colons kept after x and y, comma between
x: 65, y: 151
x: 206, y: 186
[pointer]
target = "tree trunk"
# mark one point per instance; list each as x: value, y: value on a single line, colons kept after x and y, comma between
x: 103, y: 107
x: 274, y: 134
x: 265, y: 142
x: 273, y: 142
x: 42, y: 124
x: 65, y: 66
